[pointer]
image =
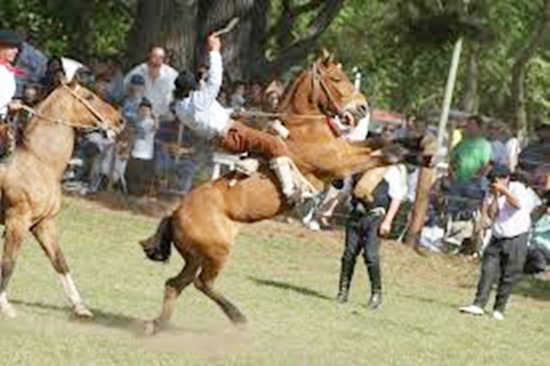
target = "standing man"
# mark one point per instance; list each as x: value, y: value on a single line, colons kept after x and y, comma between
x: 510, y: 207
x: 367, y: 224
x: 9, y: 49
x: 159, y: 81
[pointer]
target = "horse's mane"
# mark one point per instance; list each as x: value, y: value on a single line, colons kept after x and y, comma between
x: 291, y: 90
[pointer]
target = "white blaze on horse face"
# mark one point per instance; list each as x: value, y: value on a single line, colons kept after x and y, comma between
x: 70, y: 289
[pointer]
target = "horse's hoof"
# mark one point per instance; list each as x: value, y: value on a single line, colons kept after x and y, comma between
x: 150, y: 328
x: 82, y: 312
x: 8, y: 311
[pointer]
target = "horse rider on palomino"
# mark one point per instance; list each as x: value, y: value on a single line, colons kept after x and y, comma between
x: 10, y: 44
x: 197, y: 108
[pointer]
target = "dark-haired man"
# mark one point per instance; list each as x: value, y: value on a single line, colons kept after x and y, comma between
x: 510, y: 206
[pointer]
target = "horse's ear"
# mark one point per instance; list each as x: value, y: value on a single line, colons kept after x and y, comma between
x: 327, y: 58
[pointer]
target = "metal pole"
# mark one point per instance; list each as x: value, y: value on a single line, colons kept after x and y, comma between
x: 449, y: 93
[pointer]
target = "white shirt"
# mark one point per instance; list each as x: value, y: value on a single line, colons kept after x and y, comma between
x: 7, y: 89
x: 511, y: 221
x: 500, y: 153
x: 144, y: 146
x: 159, y: 90
x: 201, y: 112
x: 513, y: 149
x: 396, y: 177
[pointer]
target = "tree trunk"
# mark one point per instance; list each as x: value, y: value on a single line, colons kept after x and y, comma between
x: 244, y: 45
x: 168, y: 23
x: 519, y: 68
x: 471, y: 86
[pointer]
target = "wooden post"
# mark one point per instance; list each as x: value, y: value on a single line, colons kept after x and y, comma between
x: 420, y: 207
x: 426, y: 175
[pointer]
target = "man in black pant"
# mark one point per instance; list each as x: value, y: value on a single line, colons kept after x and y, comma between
x: 368, y: 222
x: 510, y: 207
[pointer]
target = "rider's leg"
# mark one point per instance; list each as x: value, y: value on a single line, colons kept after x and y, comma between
x: 240, y: 138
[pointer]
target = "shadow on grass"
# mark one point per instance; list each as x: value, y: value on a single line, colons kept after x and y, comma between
x: 428, y: 300
x: 107, y: 319
x: 534, y: 288
x: 290, y: 287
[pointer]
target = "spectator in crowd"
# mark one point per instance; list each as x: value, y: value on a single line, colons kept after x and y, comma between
x: 470, y: 162
x: 238, y: 101
x: 256, y: 96
x: 33, y: 63
x: 102, y: 89
x: 134, y: 96
x: 367, y: 223
x: 510, y: 205
x: 54, y: 76
x: 140, y: 172
x: 538, y: 255
x: 115, y: 77
x: 534, y: 160
x: 273, y: 94
x: 495, y: 135
x: 159, y: 81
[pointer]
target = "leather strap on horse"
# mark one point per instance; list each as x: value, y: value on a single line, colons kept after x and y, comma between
x: 101, y: 122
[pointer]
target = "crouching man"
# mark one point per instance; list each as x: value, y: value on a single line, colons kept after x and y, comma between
x: 510, y: 206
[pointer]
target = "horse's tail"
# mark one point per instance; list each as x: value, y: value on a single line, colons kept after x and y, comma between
x: 159, y: 247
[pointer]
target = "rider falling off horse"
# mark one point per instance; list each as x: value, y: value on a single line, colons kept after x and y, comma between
x: 197, y: 108
x: 10, y: 44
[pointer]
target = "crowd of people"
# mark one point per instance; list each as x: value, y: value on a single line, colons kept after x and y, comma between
x: 156, y: 152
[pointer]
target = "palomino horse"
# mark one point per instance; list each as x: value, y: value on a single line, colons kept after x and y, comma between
x: 30, y: 181
x: 204, y: 227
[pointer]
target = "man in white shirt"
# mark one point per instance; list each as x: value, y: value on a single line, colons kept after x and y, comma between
x: 196, y: 107
x: 510, y: 207
x: 367, y: 224
x: 159, y: 81
x: 9, y: 49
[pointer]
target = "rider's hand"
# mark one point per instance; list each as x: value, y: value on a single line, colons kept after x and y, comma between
x: 214, y: 43
x: 15, y: 105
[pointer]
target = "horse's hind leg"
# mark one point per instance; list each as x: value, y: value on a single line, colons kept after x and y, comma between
x: 14, y: 235
x: 174, y: 287
x: 204, y: 283
x: 46, y: 234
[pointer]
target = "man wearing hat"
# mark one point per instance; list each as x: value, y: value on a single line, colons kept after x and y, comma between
x: 509, y: 206
x: 9, y: 49
x: 195, y: 105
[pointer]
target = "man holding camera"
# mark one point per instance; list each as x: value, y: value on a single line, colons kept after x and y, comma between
x: 510, y: 206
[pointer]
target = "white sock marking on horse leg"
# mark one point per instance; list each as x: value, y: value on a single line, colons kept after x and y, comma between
x: 70, y: 289
x: 5, y: 306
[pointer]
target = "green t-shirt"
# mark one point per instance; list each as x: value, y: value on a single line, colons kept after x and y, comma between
x: 469, y: 156
x: 540, y: 234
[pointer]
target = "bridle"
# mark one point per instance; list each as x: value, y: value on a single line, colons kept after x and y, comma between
x: 318, y: 82
x: 100, y: 122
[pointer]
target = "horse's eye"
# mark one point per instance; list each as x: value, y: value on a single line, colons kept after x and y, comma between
x: 336, y: 79
x: 90, y: 97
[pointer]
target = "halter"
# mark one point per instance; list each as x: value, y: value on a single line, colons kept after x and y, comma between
x: 319, y: 83
x: 100, y: 122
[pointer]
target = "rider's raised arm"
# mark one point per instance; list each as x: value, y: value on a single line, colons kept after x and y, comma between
x: 206, y: 95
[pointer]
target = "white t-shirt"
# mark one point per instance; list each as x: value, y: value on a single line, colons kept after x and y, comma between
x: 144, y: 146
x: 513, y: 149
x: 7, y: 89
x: 396, y: 177
x: 511, y: 221
x: 71, y: 67
x: 500, y: 153
x: 159, y: 90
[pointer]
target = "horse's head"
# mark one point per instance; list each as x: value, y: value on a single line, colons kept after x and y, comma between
x: 85, y: 110
x: 329, y: 91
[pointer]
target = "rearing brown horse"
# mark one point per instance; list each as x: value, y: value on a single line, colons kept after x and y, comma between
x: 30, y: 181
x: 204, y: 226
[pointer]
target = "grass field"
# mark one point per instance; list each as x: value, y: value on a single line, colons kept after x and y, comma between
x: 284, y: 280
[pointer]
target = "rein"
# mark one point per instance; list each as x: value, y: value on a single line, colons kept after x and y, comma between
x: 100, y: 121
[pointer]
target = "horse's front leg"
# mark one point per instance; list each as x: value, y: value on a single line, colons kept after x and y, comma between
x: 45, y: 233
x: 16, y: 228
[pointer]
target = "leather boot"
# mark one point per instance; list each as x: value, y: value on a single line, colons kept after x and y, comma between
x: 376, y: 286
x: 346, y: 273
